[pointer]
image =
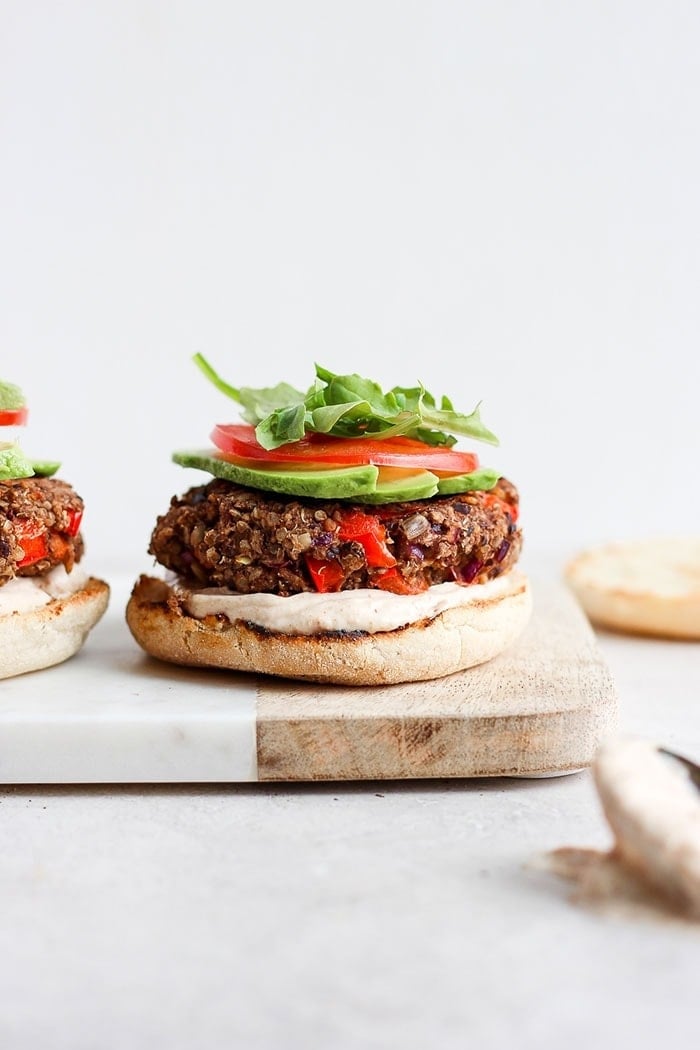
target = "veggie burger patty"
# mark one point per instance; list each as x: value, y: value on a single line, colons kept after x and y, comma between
x: 226, y: 535
x: 39, y: 527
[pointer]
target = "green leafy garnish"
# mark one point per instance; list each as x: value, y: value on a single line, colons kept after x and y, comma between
x: 348, y: 406
x: 11, y: 397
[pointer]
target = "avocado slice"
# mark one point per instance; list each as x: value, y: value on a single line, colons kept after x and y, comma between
x: 11, y: 397
x: 478, y: 480
x: 45, y: 468
x: 402, y: 487
x: 14, y: 463
x: 334, y: 483
x: 363, y: 484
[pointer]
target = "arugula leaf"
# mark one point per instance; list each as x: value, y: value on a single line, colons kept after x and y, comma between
x: 257, y: 404
x: 281, y: 426
x: 349, y: 406
x: 11, y: 397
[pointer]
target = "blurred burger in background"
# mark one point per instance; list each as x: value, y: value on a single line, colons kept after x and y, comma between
x: 48, y: 603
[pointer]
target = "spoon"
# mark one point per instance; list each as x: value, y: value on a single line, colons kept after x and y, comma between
x: 692, y: 768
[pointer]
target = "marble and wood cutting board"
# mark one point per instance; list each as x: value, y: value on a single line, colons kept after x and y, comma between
x: 113, y: 715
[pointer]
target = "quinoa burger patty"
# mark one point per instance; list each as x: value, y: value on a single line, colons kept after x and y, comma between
x: 32, y: 506
x: 225, y: 535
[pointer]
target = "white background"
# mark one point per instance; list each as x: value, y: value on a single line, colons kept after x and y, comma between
x: 499, y: 199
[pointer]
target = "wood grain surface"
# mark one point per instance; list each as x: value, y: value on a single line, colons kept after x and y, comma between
x: 540, y: 708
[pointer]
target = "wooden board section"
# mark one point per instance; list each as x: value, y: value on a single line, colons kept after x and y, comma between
x: 541, y: 708
x: 112, y: 715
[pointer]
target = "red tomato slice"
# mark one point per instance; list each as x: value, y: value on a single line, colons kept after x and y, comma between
x: 13, y: 417
x: 239, y: 439
x: 264, y: 464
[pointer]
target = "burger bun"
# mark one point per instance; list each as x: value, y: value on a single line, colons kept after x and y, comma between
x: 452, y: 641
x: 36, y: 638
x: 647, y: 586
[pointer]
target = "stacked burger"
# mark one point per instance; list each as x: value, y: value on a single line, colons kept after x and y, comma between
x: 48, y: 604
x: 343, y: 538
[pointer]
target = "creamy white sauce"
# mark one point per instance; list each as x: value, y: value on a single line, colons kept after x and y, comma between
x: 25, y: 593
x: 367, y: 610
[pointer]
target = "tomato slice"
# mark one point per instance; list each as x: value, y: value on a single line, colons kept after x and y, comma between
x: 239, y: 439
x: 248, y: 463
x: 13, y: 417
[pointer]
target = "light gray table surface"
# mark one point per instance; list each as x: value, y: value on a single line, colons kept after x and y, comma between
x: 380, y: 914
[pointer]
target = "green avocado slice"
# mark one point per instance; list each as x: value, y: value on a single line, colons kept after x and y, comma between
x: 363, y: 484
x: 11, y: 397
x: 14, y: 463
x: 478, y: 480
x: 336, y: 483
x: 45, y: 468
x: 420, y: 484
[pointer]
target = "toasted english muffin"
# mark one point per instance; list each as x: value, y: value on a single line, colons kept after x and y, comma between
x: 647, y: 586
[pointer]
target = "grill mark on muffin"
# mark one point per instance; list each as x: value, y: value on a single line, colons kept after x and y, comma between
x: 459, y: 638
x: 355, y: 635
